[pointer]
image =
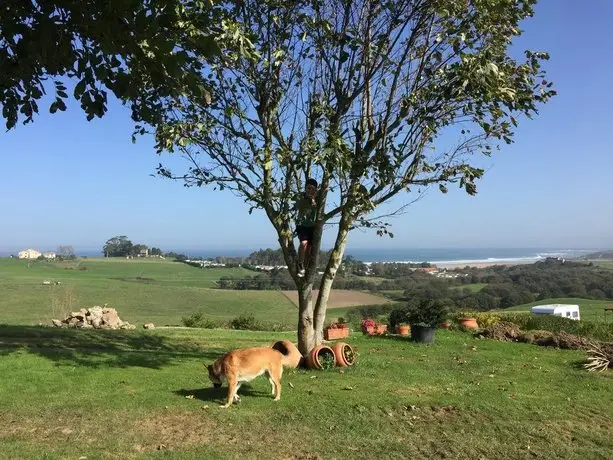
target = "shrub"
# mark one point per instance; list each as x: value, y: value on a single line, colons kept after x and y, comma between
x: 528, y: 322
x: 246, y: 322
x: 429, y: 313
x: 484, y: 318
x: 198, y: 320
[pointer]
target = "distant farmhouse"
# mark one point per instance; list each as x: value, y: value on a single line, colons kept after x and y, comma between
x: 35, y: 254
x: 29, y: 254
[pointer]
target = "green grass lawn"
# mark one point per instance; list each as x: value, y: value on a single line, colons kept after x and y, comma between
x: 141, y: 290
x: 144, y: 394
x: 591, y: 310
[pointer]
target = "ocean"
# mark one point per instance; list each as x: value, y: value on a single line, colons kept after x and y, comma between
x: 415, y: 255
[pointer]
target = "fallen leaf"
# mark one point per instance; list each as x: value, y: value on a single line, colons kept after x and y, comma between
x: 348, y: 388
x: 313, y: 376
x: 205, y: 407
x: 189, y: 397
x: 66, y: 431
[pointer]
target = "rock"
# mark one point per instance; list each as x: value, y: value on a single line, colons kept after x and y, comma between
x: 148, y: 326
x: 95, y: 317
x: 110, y: 318
x: 95, y: 312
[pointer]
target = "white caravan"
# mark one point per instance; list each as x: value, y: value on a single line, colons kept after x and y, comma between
x: 558, y: 309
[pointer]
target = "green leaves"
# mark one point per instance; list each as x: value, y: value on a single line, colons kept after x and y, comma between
x: 143, y: 52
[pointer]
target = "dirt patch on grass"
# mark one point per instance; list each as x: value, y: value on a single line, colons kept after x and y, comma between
x: 178, y: 430
x: 340, y: 298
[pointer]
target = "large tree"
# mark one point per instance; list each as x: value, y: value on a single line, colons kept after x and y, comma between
x: 118, y: 246
x: 373, y: 98
x: 140, y: 50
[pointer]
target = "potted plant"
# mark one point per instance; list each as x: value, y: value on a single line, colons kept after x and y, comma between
x: 468, y: 323
x: 368, y: 326
x: 321, y: 357
x: 337, y: 330
x: 402, y: 329
x: 345, y: 355
x: 380, y: 328
x: 424, y: 319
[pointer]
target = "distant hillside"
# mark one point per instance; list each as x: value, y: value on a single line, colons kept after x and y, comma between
x: 600, y: 255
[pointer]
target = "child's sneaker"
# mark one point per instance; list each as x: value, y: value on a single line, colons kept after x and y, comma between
x: 301, y: 271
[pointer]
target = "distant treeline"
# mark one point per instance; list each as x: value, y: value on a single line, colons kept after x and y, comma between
x: 505, y: 286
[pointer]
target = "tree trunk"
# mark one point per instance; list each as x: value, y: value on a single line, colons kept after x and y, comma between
x: 305, y: 318
x: 334, y: 263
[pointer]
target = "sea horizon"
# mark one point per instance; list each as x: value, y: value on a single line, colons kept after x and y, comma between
x: 399, y: 255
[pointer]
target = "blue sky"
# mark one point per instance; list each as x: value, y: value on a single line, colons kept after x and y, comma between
x: 64, y: 180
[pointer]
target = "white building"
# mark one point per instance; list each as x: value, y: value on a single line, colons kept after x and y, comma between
x: 29, y: 254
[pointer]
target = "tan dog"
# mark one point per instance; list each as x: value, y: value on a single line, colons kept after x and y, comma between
x: 245, y: 364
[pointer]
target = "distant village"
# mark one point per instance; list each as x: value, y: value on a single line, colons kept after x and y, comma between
x: 35, y: 254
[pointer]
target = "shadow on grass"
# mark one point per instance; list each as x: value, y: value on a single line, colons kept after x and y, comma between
x: 99, y: 348
x: 220, y: 395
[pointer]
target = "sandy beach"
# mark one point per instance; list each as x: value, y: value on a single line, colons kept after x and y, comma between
x: 482, y: 264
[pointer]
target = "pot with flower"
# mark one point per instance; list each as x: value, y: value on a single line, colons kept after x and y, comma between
x: 337, y: 330
x: 381, y: 329
x: 368, y: 326
x: 321, y: 357
x: 344, y: 353
x: 425, y: 318
x: 398, y: 321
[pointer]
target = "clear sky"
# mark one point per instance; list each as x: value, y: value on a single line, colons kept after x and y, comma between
x: 64, y: 180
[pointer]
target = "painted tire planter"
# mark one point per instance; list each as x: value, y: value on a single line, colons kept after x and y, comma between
x: 422, y: 334
x: 321, y: 357
x: 468, y: 323
x: 345, y: 356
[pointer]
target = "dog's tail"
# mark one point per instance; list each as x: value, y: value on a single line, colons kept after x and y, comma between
x: 291, y: 356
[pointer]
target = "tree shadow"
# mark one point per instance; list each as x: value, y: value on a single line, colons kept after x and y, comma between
x: 96, y: 348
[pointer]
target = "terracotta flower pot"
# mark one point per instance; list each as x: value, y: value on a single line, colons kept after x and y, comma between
x: 314, y: 358
x: 334, y: 334
x: 345, y: 356
x: 381, y: 329
x: 403, y: 329
x: 445, y: 325
x: 369, y: 330
x: 468, y: 323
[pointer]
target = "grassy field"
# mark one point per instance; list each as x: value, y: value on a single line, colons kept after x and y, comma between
x: 591, y: 310
x: 141, y: 290
x: 130, y: 394
x: 603, y: 263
